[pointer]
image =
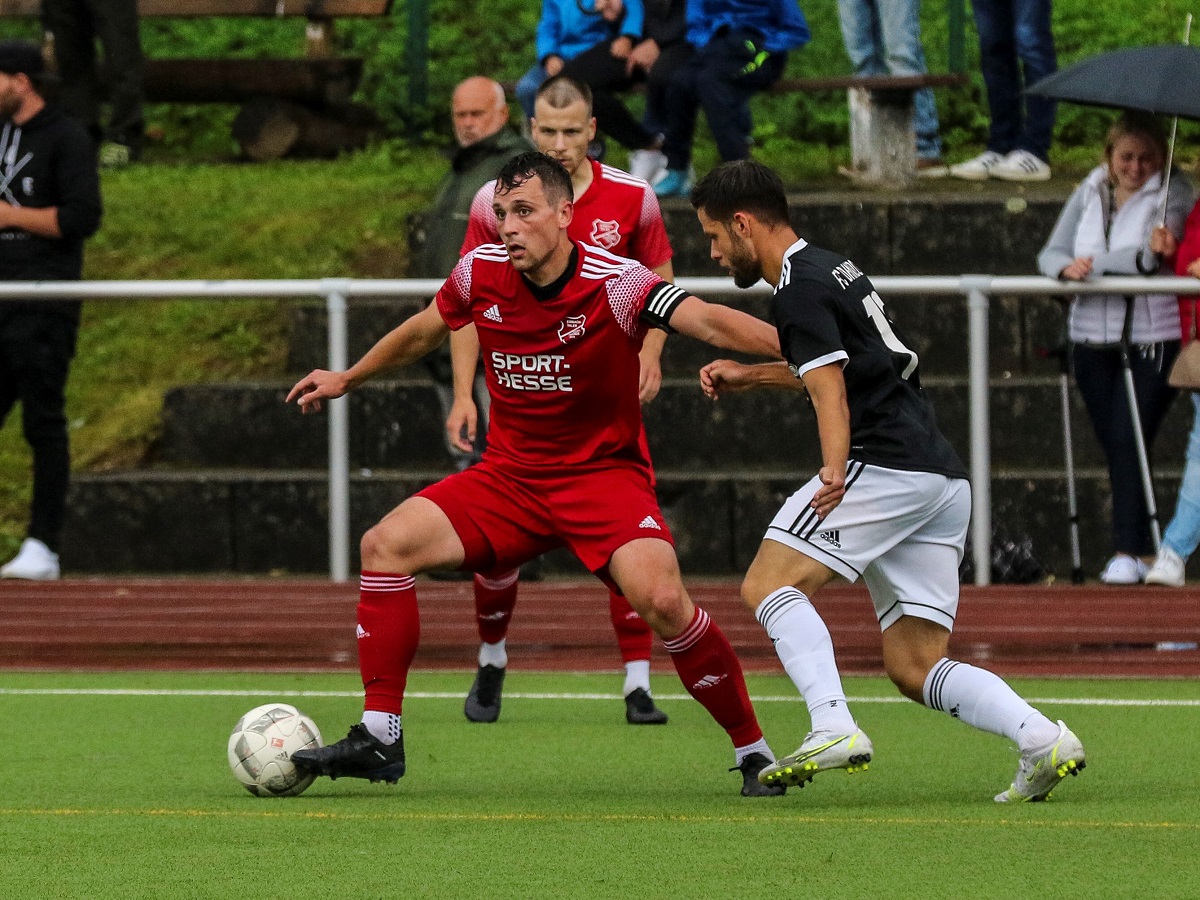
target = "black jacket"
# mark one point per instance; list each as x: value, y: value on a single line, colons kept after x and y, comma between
x: 48, y: 161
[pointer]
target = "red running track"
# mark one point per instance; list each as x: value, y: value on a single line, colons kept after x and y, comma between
x: 285, y: 624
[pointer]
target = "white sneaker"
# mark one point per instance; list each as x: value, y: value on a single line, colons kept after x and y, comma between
x: 1167, y: 569
x: 821, y: 750
x: 34, y: 561
x: 1021, y: 165
x: 648, y: 165
x: 979, y: 168
x: 1040, y: 772
x: 1123, y: 569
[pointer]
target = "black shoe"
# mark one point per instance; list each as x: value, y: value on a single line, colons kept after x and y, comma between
x: 483, y: 701
x: 358, y: 755
x: 640, y: 709
x: 750, y: 767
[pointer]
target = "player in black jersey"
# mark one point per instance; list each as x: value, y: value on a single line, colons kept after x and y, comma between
x: 891, y: 502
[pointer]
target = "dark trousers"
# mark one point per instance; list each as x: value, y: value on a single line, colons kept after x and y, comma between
x: 606, y: 76
x: 1101, y: 381
x: 35, y: 355
x: 715, y: 78
x: 76, y: 26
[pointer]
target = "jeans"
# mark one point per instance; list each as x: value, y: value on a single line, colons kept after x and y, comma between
x: 1183, y: 532
x: 527, y: 88
x: 883, y: 37
x: 1012, y: 32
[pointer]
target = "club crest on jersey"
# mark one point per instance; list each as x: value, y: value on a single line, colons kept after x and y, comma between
x: 606, y: 233
x: 571, y: 328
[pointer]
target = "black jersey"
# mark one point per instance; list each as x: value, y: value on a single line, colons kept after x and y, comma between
x: 827, y: 311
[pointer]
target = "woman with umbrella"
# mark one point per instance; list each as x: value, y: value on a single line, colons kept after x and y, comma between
x: 1105, y: 229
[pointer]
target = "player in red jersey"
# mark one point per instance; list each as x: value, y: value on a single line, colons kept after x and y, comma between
x: 620, y: 213
x: 561, y: 325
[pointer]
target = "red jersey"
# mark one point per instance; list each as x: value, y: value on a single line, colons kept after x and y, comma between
x: 618, y: 212
x: 561, y: 361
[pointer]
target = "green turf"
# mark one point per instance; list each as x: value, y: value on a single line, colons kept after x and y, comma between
x: 130, y: 796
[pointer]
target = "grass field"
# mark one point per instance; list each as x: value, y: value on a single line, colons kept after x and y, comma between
x: 117, y: 786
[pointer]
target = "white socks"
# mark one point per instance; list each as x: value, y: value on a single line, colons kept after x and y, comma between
x: 637, y: 675
x: 493, y: 655
x: 384, y: 726
x: 759, y: 746
x: 804, y: 647
x: 983, y: 699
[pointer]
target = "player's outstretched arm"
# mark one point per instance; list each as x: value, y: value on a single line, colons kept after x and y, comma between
x: 723, y: 326
x: 724, y: 376
x: 399, y: 347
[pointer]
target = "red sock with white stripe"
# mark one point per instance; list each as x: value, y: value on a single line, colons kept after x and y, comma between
x: 389, y: 629
x: 635, y: 639
x: 495, y: 598
x: 712, y: 674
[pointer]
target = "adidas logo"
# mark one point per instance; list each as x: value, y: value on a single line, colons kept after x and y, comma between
x: 362, y: 632
x: 649, y: 522
x: 493, y: 313
x: 832, y: 537
x: 708, y: 681
x: 492, y: 617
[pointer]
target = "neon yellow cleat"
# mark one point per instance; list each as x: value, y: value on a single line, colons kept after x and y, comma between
x: 820, y: 751
x: 1040, y: 771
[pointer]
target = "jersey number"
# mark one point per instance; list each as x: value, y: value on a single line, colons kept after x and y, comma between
x: 874, y: 307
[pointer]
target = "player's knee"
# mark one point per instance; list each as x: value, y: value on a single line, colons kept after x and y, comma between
x: 908, y: 674
x: 665, y: 608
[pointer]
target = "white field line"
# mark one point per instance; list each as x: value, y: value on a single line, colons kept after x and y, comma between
x: 525, y: 695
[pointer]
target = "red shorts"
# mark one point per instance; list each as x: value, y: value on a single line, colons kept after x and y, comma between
x: 505, y: 519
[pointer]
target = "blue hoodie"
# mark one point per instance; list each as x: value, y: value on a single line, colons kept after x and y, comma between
x: 568, y: 27
x: 780, y: 22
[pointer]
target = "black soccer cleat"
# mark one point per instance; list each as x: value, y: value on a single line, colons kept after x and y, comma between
x: 483, y: 700
x: 358, y: 755
x: 640, y: 709
x: 750, y: 767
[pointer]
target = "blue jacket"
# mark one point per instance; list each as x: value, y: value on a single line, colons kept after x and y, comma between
x: 780, y: 22
x: 568, y: 27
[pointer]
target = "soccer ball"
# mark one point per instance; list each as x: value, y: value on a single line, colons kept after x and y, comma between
x: 261, y: 748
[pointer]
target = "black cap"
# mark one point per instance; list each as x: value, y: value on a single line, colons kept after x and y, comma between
x: 21, y: 57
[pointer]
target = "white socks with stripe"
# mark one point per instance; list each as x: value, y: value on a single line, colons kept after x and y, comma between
x: 384, y: 726
x: 804, y: 647
x: 984, y: 700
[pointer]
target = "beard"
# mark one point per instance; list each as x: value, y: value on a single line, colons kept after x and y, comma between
x: 743, y: 266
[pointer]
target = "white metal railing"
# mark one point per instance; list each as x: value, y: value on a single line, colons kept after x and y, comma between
x: 977, y: 289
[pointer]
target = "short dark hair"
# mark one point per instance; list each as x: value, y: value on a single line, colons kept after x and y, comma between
x: 556, y: 181
x: 742, y: 186
x: 562, y: 90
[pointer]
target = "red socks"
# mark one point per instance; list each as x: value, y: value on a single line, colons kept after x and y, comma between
x: 389, y: 630
x: 495, y: 598
x: 634, y: 636
x: 712, y: 674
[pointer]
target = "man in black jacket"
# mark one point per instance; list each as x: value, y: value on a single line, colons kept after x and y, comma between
x: 49, y: 204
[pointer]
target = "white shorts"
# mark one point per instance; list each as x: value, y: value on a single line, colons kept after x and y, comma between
x: 903, y: 532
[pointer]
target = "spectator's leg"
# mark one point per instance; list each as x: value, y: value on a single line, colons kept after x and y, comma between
x: 658, y: 80
x: 606, y: 75
x: 116, y: 23
x: 70, y: 22
x: 683, y: 102
x: 998, y: 62
x: 862, y: 35
x: 1035, y: 47
x: 725, y: 89
x: 900, y: 26
x: 1183, y: 534
x: 527, y: 88
x: 41, y: 348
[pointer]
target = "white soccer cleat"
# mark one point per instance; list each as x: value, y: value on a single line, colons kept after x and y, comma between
x: 820, y: 751
x: 34, y: 561
x: 1040, y: 771
x: 1167, y: 569
x: 977, y: 168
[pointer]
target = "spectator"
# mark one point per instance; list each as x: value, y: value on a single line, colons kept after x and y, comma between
x: 50, y: 202
x: 1016, y: 48
x: 568, y: 28
x: 740, y: 47
x: 479, y: 112
x: 1183, y: 532
x: 1105, y: 229
x: 76, y: 26
x: 883, y: 37
x: 663, y: 49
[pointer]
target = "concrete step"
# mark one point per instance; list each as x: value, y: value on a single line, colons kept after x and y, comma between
x: 398, y: 424
x: 934, y: 327
x: 256, y: 521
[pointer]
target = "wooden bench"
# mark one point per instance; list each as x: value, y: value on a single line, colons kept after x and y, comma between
x: 298, y: 106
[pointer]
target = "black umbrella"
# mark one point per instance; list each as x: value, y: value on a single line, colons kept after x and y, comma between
x: 1163, y: 79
